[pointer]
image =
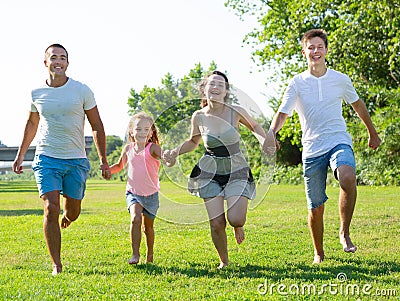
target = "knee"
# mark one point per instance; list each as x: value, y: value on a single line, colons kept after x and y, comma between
x: 218, y: 223
x: 136, y: 220
x: 347, y: 179
x: 148, y: 229
x: 51, y: 211
x: 237, y: 221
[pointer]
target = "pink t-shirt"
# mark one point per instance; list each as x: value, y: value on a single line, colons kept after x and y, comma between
x: 142, y: 170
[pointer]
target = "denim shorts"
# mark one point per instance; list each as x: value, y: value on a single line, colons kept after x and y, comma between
x: 316, y: 169
x: 212, y: 189
x: 66, y: 175
x: 150, y: 203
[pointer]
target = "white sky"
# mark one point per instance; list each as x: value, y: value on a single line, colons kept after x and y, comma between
x: 117, y: 45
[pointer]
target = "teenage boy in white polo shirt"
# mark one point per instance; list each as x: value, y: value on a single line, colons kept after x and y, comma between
x: 316, y: 94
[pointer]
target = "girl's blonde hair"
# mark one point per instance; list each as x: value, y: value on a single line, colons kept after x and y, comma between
x: 154, y: 132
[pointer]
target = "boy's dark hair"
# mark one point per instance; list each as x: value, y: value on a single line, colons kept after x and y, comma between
x: 315, y: 33
x: 57, y: 46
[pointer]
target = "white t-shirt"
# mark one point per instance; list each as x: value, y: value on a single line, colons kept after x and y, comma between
x: 318, y: 101
x: 62, y: 119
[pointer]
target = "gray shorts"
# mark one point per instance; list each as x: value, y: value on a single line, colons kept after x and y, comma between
x: 316, y: 170
x: 232, y: 188
x: 150, y: 203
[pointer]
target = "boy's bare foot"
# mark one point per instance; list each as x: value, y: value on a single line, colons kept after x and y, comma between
x: 318, y: 258
x: 347, y: 244
x: 134, y: 260
x: 57, y: 269
x: 239, y: 234
x: 65, y: 222
x: 222, y: 265
x: 149, y: 258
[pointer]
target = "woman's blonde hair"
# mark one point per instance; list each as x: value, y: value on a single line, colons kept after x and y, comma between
x: 154, y: 132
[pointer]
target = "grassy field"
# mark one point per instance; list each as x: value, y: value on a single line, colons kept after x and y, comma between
x: 274, y: 262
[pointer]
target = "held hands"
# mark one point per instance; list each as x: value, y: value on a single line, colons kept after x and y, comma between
x: 270, y: 145
x: 169, y: 157
x: 105, y: 171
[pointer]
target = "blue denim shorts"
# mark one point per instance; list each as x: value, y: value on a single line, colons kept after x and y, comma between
x: 316, y: 170
x: 66, y: 175
x: 150, y: 203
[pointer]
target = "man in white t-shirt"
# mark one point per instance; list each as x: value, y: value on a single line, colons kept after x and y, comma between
x: 317, y: 94
x: 58, y: 110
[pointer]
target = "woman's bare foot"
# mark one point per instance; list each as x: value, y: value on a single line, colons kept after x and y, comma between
x: 239, y: 234
x: 347, y: 244
x: 222, y: 265
x: 149, y: 258
x: 65, y: 222
x: 57, y: 269
x: 134, y: 260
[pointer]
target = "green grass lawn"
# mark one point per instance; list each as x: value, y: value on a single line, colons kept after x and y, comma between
x: 273, y: 263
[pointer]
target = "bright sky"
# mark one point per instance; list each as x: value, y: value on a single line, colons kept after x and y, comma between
x: 118, y: 45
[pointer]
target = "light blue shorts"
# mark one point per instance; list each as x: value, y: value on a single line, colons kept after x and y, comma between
x: 316, y: 170
x: 66, y: 175
x: 150, y: 203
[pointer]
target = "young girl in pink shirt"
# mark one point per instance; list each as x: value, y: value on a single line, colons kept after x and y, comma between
x: 141, y: 159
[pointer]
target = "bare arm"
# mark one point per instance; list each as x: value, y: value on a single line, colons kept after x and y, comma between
x: 117, y: 167
x: 29, y: 134
x: 359, y: 106
x: 277, y: 123
x: 99, y: 137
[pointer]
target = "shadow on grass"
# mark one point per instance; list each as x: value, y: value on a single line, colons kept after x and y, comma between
x: 21, y: 212
x: 358, y: 270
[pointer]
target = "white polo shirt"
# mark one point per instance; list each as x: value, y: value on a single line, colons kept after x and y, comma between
x: 318, y: 101
x: 62, y: 118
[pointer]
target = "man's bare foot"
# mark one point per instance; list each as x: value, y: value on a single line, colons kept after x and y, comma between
x: 239, y: 234
x: 57, y: 269
x: 134, y: 260
x: 222, y: 265
x: 65, y: 222
x: 318, y: 258
x: 347, y: 244
x: 149, y: 258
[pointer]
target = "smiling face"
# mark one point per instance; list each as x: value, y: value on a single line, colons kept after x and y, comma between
x: 141, y: 130
x: 56, y: 61
x: 215, y: 89
x: 315, y: 51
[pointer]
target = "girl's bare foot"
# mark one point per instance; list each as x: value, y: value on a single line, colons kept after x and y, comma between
x: 134, y: 260
x: 149, y: 258
x: 57, y: 269
x: 239, y: 234
x: 347, y: 244
x: 222, y: 265
x: 65, y: 222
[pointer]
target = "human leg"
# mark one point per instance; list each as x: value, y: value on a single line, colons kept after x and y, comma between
x: 51, y: 227
x: 315, y: 173
x: 343, y: 164
x: 316, y: 226
x: 71, y: 211
x: 216, y: 214
x: 347, y: 201
x: 148, y: 229
x: 135, y: 231
x: 236, y: 214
